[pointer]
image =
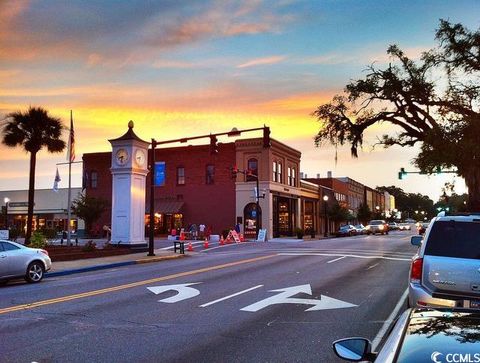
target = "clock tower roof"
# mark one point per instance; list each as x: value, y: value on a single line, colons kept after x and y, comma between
x: 129, y: 135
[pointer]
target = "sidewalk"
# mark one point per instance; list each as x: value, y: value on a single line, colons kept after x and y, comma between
x: 62, y: 268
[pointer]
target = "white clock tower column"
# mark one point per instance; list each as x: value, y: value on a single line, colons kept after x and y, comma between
x: 129, y: 171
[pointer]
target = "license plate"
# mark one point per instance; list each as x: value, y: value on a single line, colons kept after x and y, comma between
x: 475, y: 304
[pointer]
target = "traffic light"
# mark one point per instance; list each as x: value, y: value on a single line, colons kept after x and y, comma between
x: 402, y: 174
x: 213, y: 145
x: 234, y: 171
x: 266, y: 136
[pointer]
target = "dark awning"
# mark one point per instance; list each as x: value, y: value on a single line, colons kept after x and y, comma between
x: 167, y: 207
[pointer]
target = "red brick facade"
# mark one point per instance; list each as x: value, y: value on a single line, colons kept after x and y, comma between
x: 210, y: 204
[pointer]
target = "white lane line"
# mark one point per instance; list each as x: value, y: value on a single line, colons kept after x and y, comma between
x: 337, y: 259
x: 386, y: 325
x: 370, y: 267
x: 229, y: 296
x: 338, y: 255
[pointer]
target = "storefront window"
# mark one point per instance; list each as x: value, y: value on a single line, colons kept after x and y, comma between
x: 251, y: 216
x: 93, y: 179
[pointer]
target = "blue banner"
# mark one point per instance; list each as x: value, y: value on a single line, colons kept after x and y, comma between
x: 160, y: 173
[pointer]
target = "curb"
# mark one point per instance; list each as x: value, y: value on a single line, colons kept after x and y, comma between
x: 111, y: 265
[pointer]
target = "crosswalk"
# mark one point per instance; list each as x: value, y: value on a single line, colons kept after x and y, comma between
x: 343, y: 253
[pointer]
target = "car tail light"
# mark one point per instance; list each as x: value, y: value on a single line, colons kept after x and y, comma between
x: 44, y: 251
x: 416, y: 270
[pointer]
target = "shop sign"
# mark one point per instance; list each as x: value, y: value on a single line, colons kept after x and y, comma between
x: 262, y: 235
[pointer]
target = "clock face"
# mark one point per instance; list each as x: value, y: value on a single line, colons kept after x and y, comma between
x: 121, y: 156
x: 140, y: 157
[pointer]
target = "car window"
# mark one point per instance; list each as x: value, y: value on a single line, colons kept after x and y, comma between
x: 454, y: 239
x: 8, y: 246
x: 376, y: 222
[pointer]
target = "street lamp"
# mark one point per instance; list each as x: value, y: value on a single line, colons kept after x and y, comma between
x: 6, y: 200
x: 325, y: 200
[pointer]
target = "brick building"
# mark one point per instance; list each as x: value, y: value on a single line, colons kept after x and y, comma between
x: 199, y: 187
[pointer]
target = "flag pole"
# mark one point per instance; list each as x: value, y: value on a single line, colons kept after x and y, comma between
x: 69, y: 199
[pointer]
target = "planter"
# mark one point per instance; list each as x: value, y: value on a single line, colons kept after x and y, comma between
x: 64, y: 253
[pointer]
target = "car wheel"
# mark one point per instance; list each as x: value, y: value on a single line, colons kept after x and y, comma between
x: 35, y: 272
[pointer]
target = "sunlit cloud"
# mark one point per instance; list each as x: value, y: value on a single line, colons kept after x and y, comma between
x: 263, y: 61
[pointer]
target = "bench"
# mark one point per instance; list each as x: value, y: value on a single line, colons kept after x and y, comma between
x: 179, y: 245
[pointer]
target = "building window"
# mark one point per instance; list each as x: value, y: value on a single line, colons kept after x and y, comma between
x: 289, y: 176
x: 280, y: 173
x: 274, y: 171
x: 294, y: 177
x: 210, y: 174
x: 180, y: 175
x: 93, y: 179
x: 252, y: 166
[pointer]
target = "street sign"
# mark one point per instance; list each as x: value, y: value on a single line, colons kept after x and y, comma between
x: 4, y: 234
x: 160, y: 173
x: 284, y: 297
x: 184, y: 292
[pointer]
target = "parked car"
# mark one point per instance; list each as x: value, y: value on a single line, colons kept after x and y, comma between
x: 377, y: 226
x: 421, y: 335
x: 346, y: 230
x: 446, y: 269
x: 17, y: 261
x: 360, y: 228
x: 393, y: 226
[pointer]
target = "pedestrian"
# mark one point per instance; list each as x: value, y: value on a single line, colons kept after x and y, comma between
x: 208, y: 232
x: 201, y: 229
x: 237, y: 228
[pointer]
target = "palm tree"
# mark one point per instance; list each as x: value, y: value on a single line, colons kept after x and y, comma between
x: 33, y: 130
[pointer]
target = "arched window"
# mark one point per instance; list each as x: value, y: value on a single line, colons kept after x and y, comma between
x: 252, y: 166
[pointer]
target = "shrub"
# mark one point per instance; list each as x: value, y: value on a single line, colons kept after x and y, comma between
x: 89, y: 246
x: 49, y: 233
x: 38, y: 240
x: 299, y: 232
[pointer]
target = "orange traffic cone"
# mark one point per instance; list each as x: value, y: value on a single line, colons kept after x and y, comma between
x: 205, y: 244
x: 190, y: 247
x: 242, y: 239
x: 222, y: 241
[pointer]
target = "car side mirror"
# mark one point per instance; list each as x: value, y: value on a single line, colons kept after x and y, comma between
x: 416, y: 240
x: 353, y: 349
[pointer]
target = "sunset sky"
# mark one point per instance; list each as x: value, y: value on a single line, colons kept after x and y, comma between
x: 183, y: 68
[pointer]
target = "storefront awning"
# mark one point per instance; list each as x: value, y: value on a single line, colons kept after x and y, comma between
x: 168, y: 207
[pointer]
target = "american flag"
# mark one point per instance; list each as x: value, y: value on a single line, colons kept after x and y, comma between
x: 71, y: 141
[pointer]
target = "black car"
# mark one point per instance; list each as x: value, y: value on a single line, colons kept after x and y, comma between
x: 421, y: 335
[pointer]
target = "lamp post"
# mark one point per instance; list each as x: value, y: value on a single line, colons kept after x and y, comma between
x: 325, y: 200
x: 6, y: 200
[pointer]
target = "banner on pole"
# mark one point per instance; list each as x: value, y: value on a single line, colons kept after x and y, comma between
x: 160, y: 173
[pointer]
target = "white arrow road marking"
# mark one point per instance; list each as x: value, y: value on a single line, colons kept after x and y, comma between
x: 324, y: 303
x: 230, y: 296
x: 184, y: 292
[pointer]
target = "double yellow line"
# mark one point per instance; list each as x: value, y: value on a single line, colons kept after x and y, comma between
x: 127, y: 286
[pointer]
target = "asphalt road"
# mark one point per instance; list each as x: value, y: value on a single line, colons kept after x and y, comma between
x: 229, y: 314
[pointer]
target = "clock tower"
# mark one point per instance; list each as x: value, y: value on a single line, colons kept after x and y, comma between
x: 129, y: 171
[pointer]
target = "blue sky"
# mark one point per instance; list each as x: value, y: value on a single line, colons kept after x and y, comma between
x: 179, y: 68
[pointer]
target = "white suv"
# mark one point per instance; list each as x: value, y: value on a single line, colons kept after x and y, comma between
x: 445, y: 272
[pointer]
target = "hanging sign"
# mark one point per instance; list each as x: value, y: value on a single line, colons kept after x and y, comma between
x: 160, y: 173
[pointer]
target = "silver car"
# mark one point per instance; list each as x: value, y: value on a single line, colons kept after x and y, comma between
x: 17, y: 260
x: 421, y: 335
x: 445, y: 272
